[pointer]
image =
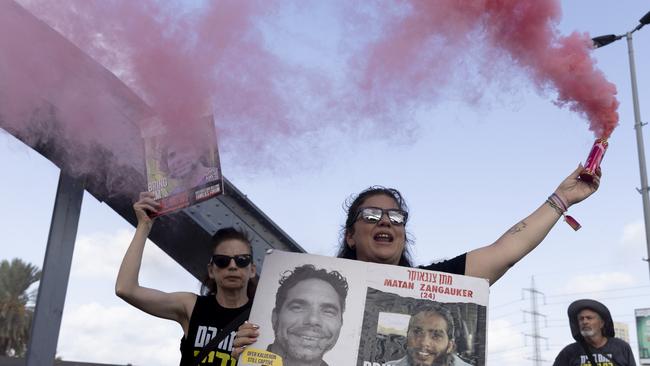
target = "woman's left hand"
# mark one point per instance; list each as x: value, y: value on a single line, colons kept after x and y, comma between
x: 573, y: 189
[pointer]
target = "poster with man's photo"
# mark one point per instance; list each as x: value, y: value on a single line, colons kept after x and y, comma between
x: 316, y: 310
x: 183, y: 168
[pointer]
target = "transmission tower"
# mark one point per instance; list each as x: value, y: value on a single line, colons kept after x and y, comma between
x: 535, y: 315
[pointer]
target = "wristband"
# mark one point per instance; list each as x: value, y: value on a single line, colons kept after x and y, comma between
x: 560, y: 207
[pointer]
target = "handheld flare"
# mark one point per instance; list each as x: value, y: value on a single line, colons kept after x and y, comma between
x: 594, y: 159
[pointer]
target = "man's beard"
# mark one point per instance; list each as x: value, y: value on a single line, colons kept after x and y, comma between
x: 587, y: 332
x: 446, y: 359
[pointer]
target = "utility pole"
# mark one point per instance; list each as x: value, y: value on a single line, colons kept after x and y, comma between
x: 535, y: 314
x: 601, y: 41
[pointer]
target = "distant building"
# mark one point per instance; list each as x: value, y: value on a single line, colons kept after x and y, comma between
x: 643, y: 334
x: 622, y: 331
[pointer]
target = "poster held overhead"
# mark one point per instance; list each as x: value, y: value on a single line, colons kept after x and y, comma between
x: 182, y: 170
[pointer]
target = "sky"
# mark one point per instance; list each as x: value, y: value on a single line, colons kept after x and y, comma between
x: 472, y: 160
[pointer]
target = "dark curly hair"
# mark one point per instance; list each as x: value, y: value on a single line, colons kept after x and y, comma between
x: 208, y: 285
x: 352, y: 205
x: 290, y: 279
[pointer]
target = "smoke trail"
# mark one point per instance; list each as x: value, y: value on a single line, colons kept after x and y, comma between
x: 416, y: 46
x: 184, y: 61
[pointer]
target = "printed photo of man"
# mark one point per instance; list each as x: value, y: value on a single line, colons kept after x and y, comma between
x: 430, y: 339
x: 308, y: 315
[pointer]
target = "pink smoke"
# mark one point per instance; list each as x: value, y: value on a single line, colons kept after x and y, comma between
x: 420, y: 41
x: 185, y: 62
x: 45, y: 79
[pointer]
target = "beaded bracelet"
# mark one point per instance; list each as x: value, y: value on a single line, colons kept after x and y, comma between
x: 560, y: 207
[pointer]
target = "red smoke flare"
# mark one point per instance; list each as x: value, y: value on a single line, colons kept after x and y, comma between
x: 420, y: 40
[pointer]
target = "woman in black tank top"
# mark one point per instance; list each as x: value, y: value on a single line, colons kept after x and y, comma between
x: 226, y: 292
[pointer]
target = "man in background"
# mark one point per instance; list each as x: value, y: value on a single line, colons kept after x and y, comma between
x: 593, y: 329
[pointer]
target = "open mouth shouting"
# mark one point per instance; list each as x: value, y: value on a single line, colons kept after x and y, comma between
x: 383, y: 237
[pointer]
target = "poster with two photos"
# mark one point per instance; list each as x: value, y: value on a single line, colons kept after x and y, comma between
x: 328, y: 311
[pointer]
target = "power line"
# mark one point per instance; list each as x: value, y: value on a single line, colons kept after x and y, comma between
x: 575, y: 294
x: 511, y: 325
x: 506, y: 350
x: 506, y: 304
x: 599, y: 291
x: 504, y: 315
x: 605, y: 298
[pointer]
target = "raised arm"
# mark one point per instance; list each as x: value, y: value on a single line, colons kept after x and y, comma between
x: 175, y: 306
x: 494, y: 260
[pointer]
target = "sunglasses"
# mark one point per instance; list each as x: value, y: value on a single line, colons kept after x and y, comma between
x: 373, y: 215
x: 223, y: 261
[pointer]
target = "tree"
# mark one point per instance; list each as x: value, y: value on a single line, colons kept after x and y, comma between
x: 16, y: 305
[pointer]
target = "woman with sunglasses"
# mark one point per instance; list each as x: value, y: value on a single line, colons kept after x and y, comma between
x: 227, y: 289
x: 375, y: 231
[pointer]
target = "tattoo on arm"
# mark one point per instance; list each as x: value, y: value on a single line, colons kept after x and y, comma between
x: 520, y: 226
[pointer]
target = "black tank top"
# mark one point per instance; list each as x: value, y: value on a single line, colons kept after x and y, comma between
x: 208, y: 318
